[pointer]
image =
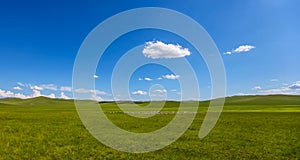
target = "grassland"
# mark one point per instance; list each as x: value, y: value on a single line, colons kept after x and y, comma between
x: 251, y: 127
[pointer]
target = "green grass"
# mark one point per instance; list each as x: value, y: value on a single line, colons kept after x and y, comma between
x: 251, y: 127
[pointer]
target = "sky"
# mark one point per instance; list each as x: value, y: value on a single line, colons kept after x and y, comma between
x: 258, y: 42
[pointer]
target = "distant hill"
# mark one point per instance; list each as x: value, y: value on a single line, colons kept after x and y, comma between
x: 263, y: 100
x: 229, y: 101
x: 37, y: 101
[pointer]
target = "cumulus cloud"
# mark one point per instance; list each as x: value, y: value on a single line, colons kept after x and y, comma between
x: 17, y: 88
x: 37, y: 93
x: 139, y: 92
x: 171, y: 76
x: 35, y: 87
x: 242, y: 48
x: 158, y: 49
x: 5, y: 94
x: 63, y: 96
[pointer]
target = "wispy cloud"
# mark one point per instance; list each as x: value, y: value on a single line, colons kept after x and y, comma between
x: 291, y: 89
x: 158, y: 49
x: 274, y: 80
x: 83, y: 90
x: 295, y: 86
x: 66, y: 88
x: 22, y: 84
x: 242, y: 48
x: 95, y: 76
x: 139, y: 92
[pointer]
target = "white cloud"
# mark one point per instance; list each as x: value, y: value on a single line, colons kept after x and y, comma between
x: 257, y: 88
x: 35, y: 87
x: 173, y: 90
x: 148, y: 79
x: 63, y: 96
x: 159, y: 78
x: 4, y: 94
x: 140, y: 79
x: 291, y: 89
x: 158, y: 49
x: 274, y: 80
x: 22, y: 96
x: 37, y: 93
x: 66, y: 88
x: 48, y: 87
x: 160, y: 91
x: 295, y: 86
x: 242, y: 48
x: 95, y: 76
x: 171, y: 76
x: 83, y: 90
x: 97, y: 98
x: 17, y: 88
x: 22, y: 84
x: 139, y: 92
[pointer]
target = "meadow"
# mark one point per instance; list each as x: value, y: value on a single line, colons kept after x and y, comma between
x: 250, y: 127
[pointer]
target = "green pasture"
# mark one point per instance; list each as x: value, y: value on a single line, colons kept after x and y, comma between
x: 250, y: 127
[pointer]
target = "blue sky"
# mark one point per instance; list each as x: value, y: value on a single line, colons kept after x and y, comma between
x: 39, y: 41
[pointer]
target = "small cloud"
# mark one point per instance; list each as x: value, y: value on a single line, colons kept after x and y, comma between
x: 35, y: 87
x: 171, y: 76
x: 274, y: 80
x: 158, y: 49
x: 17, y: 88
x: 44, y: 87
x: 160, y: 91
x: 295, y: 85
x: 66, y: 88
x: 140, y: 79
x: 139, y: 92
x: 173, y: 90
x: 148, y: 79
x: 95, y: 76
x: 159, y: 78
x: 257, y: 88
x: 242, y: 48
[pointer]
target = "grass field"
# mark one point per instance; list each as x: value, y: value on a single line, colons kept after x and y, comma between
x: 251, y: 127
